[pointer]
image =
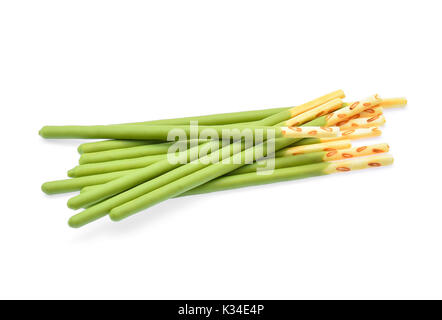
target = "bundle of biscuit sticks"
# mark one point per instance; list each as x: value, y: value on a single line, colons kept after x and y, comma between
x: 142, y: 164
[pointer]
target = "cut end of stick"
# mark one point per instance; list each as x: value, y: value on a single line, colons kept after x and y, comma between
x: 71, y: 173
x: 114, y: 216
x: 41, y: 132
x: 45, y: 188
x: 394, y: 102
x: 73, y: 222
x: 72, y: 204
x: 82, y: 160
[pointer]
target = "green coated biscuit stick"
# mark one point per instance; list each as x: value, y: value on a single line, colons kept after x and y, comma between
x: 215, y: 119
x: 106, y: 145
x: 160, y: 132
x: 218, y: 119
x: 70, y: 185
x: 251, y: 179
x: 323, y: 152
x: 128, y: 131
x: 164, y: 132
x: 133, y: 152
x: 287, y: 174
x: 114, y: 166
x: 98, y: 146
x: 281, y: 162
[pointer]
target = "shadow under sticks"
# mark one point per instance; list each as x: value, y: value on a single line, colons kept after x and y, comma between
x: 164, y: 210
x: 150, y: 216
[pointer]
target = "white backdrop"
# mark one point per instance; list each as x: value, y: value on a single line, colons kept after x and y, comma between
x: 369, y: 234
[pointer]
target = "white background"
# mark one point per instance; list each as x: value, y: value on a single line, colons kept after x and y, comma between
x: 367, y: 234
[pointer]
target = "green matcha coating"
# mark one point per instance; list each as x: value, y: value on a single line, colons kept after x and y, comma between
x: 70, y: 185
x: 195, y: 179
x: 253, y: 179
x: 75, y: 184
x: 101, y: 209
x: 88, y: 182
x: 124, y: 183
x: 129, y: 181
x: 135, y: 163
x: 106, y: 145
x: 113, y: 166
x: 219, y: 118
x: 133, y: 152
x: 87, y: 198
x: 135, y: 132
x: 282, y: 162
